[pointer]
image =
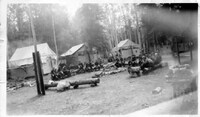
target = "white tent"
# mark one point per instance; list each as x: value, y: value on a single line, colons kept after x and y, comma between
x: 127, y: 43
x: 126, y: 46
x: 23, y: 57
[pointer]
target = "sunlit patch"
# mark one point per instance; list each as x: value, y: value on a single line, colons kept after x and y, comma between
x: 71, y: 7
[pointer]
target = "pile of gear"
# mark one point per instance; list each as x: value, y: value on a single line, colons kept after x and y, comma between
x: 88, y: 67
x: 144, y: 63
x: 111, y: 68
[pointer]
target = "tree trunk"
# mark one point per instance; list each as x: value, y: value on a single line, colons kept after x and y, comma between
x: 54, y: 37
x: 137, y: 29
x: 136, y: 36
x: 154, y: 38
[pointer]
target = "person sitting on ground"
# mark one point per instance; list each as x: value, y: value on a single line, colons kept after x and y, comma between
x: 66, y: 71
x: 130, y: 63
x: 134, y: 63
x: 55, y: 74
x: 117, y: 64
x: 140, y: 60
x: 148, y: 63
x: 80, y: 67
x: 91, y: 65
x: 122, y: 62
x: 96, y: 63
x: 88, y: 67
x: 137, y: 61
x: 97, y: 66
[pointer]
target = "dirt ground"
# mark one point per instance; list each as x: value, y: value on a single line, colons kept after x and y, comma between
x: 116, y: 94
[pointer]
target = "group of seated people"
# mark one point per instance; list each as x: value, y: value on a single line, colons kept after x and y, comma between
x: 62, y: 72
x: 120, y: 62
x: 65, y: 70
x: 143, y: 60
x: 88, y: 67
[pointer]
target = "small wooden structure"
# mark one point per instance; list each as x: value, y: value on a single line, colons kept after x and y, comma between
x: 79, y: 53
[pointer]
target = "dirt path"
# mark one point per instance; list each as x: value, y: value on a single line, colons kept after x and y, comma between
x: 116, y: 94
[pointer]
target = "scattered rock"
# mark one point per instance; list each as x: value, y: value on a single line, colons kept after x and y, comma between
x: 157, y: 90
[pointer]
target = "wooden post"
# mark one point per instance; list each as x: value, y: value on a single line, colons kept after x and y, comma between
x: 190, y: 46
x: 40, y: 74
x: 191, y: 56
x: 147, y: 45
x: 36, y: 76
x: 177, y: 49
x: 154, y: 40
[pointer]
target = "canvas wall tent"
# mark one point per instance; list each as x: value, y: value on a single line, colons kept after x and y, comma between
x: 22, y: 59
x: 79, y: 54
x: 127, y: 48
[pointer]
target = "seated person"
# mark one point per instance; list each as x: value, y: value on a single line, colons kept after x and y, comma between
x: 148, y: 63
x: 130, y: 63
x: 80, y: 65
x: 88, y: 67
x: 96, y: 63
x: 117, y: 64
x: 122, y: 62
x: 137, y: 62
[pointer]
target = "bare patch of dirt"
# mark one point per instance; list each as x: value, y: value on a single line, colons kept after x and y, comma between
x: 116, y: 94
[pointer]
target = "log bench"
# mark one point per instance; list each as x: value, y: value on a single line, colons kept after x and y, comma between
x: 75, y: 84
x: 92, y: 82
x: 46, y: 86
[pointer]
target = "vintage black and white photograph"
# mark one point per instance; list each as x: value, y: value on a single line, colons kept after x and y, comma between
x: 79, y: 58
